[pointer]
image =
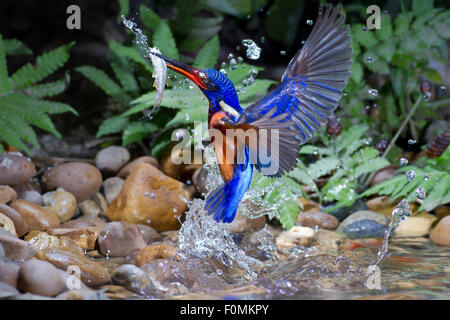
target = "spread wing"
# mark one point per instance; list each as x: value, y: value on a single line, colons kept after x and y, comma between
x: 309, y: 90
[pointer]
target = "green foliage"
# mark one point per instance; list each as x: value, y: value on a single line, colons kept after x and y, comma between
x: 342, y: 162
x: 398, y: 55
x: 131, y: 90
x: 21, y: 103
x: 279, y: 196
x: 433, y: 177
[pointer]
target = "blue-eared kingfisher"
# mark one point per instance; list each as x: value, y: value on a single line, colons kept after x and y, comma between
x: 309, y: 92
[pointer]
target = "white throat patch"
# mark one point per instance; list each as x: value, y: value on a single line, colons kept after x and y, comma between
x: 228, y: 109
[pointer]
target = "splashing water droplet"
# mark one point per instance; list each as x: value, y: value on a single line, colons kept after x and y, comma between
x: 412, y: 141
x: 233, y: 64
x: 309, y: 22
x: 187, y: 117
x: 373, y: 92
x: 427, y: 96
x: 369, y: 59
x: 283, y: 53
x: 262, y: 39
x: 403, y: 162
x: 410, y: 175
x: 253, y: 51
x: 443, y: 88
x: 230, y: 56
x: 426, y: 177
x: 420, y: 193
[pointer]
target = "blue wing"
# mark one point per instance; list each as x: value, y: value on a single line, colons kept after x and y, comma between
x: 310, y: 89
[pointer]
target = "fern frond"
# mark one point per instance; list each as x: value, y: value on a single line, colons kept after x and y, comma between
x: 46, y: 64
x: 137, y: 131
x: 14, y: 46
x: 112, y: 125
x: 48, y: 89
x: 5, y: 82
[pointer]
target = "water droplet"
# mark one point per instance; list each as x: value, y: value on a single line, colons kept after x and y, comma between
x: 283, y: 53
x: 365, y: 28
x: 240, y: 59
x: 426, y: 177
x: 253, y: 51
x: 369, y: 59
x: 403, y: 162
x: 187, y: 117
x: 373, y: 92
x: 233, y: 64
x: 410, y: 175
x: 412, y: 141
x: 420, y: 193
x: 262, y: 39
x: 443, y: 88
x: 309, y: 22
x: 223, y: 71
x: 230, y: 56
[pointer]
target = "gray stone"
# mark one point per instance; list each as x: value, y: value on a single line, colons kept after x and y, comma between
x: 134, y: 279
x: 14, y: 248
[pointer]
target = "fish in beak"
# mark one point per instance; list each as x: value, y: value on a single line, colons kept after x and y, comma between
x: 193, y: 74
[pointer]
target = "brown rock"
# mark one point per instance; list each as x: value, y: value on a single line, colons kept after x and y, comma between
x: 14, y: 248
x: 37, y: 218
x: 379, y: 203
x: 383, y: 174
x: 112, y: 187
x: 149, y: 234
x: 81, y: 179
x: 85, y: 238
x: 321, y: 219
x: 111, y: 159
x: 7, y: 194
x: 62, y: 203
x: 9, y: 272
x: 301, y: 236
x: 15, y: 169
x: 20, y: 224
x: 40, y: 277
x: 120, y: 239
x: 242, y: 224
x: 89, y: 208
x: 309, y: 205
x: 101, y: 203
x: 92, y: 273
x: 42, y: 240
x: 7, y: 224
x: 84, y: 222
x: 441, y: 233
x: 159, y: 251
x: 126, y: 170
x: 149, y: 197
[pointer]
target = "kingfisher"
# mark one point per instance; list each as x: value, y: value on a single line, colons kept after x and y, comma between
x: 306, y: 97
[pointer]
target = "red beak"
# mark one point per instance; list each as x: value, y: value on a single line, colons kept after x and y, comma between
x: 189, y: 72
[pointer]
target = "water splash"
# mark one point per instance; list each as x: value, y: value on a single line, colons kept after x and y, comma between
x: 400, y: 213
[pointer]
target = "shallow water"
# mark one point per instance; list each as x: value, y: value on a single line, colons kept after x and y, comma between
x: 414, y: 268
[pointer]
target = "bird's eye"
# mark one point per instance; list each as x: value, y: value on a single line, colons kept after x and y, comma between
x: 212, y: 86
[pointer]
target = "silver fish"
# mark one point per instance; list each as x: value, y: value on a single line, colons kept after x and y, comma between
x: 160, y: 75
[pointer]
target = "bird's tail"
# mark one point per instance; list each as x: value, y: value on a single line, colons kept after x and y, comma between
x: 223, y: 202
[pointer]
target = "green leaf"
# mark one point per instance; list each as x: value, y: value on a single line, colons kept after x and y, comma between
x: 14, y: 46
x: 124, y: 8
x: 402, y: 22
x: 288, y: 215
x: 137, y: 131
x: 150, y: 19
x: 48, y: 89
x: 357, y: 71
x: 209, y: 54
x: 385, y: 33
x: 5, y: 82
x: 112, y: 125
x: 365, y: 37
x: 349, y: 136
x: 164, y: 41
x: 46, y: 64
x: 420, y: 6
x: 189, y: 115
x: 130, y: 53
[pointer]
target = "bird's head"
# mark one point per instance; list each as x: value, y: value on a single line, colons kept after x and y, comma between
x: 216, y: 86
